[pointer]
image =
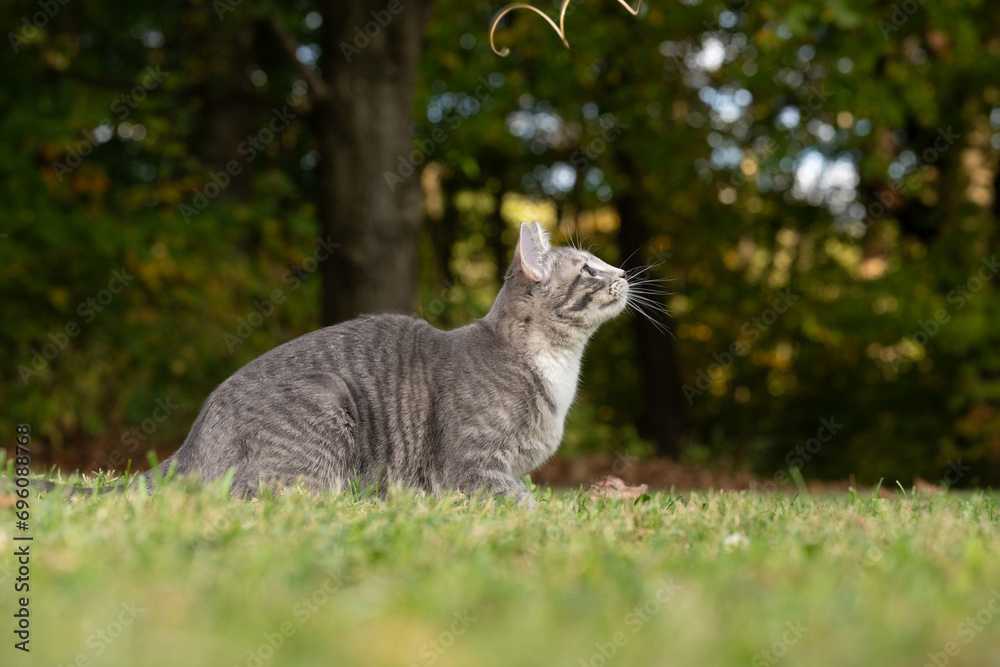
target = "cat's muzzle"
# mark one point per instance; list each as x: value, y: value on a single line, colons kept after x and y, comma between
x: 619, y: 289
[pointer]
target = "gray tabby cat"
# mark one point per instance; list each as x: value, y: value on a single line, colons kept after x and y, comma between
x: 390, y: 399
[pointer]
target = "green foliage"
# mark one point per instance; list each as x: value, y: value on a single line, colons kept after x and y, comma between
x: 872, y: 88
x: 629, y: 111
x: 82, y: 207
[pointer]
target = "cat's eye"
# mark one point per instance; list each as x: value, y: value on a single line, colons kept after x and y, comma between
x: 587, y: 271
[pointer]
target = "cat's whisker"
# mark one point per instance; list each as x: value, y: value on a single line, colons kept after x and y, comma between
x: 646, y: 303
x: 647, y: 288
x: 659, y: 326
x: 645, y: 275
x: 645, y: 268
x: 654, y: 307
x: 625, y: 261
x: 652, y: 297
x: 645, y: 281
x: 655, y: 296
x: 651, y: 290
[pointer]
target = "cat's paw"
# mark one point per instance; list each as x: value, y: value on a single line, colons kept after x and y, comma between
x: 527, y: 501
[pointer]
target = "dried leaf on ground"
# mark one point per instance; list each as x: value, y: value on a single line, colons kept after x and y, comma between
x: 614, y: 487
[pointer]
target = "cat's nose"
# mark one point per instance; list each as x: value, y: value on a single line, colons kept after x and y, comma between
x: 621, y: 273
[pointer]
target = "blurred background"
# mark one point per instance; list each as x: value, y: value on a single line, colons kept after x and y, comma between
x: 185, y: 186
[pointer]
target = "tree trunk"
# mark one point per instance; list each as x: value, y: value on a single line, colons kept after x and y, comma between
x: 369, y: 66
x: 231, y: 118
x: 661, y: 409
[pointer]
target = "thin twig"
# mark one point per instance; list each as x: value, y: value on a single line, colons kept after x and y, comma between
x: 319, y: 88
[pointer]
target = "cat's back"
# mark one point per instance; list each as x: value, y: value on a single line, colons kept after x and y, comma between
x: 368, y: 345
x: 321, y: 407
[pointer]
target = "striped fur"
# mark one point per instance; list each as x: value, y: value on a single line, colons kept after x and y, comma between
x: 387, y: 399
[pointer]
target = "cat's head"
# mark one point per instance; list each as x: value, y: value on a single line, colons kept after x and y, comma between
x: 565, y: 290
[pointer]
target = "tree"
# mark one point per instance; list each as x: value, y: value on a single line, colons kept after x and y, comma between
x: 369, y: 188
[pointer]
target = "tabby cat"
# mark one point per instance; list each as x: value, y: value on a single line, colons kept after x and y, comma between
x: 390, y: 399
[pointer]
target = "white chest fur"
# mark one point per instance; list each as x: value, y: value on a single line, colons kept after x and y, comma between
x: 560, y: 370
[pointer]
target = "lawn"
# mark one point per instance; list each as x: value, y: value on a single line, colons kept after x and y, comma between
x: 187, y: 578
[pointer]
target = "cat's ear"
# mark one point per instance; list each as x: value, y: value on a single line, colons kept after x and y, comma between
x: 542, y: 236
x: 529, y: 253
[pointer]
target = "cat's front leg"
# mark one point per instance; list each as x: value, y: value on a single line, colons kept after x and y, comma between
x: 494, y: 479
x: 523, y: 496
x: 518, y: 493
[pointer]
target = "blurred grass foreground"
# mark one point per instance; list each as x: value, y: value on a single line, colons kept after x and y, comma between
x: 673, y: 579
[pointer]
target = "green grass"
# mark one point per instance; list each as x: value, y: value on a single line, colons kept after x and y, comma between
x: 424, y: 581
